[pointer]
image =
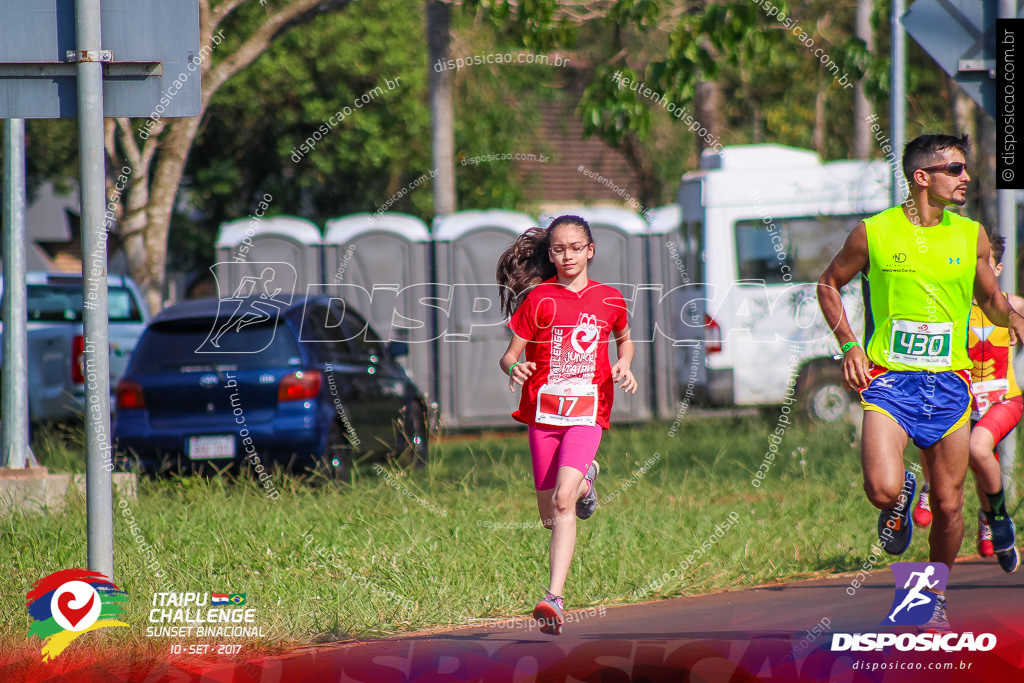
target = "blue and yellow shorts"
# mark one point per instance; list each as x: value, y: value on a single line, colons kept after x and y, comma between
x: 927, y: 405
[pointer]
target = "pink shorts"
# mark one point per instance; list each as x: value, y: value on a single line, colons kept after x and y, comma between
x: 1000, y: 419
x: 554, y: 447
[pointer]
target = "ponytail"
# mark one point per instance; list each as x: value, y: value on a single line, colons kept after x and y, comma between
x: 524, y: 264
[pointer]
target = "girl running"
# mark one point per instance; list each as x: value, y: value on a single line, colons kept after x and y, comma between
x: 563, y: 320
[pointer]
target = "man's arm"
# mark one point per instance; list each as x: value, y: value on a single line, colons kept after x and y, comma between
x: 988, y: 293
x: 851, y: 259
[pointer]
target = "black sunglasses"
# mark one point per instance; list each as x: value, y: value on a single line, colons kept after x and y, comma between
x: 954, y: 169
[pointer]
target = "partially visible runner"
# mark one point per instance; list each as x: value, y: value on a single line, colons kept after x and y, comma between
x: 920, y: 265
x: 996, y: 409
x: 563, y: 321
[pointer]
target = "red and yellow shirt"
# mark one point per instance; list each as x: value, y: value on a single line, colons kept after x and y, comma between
x: 992, y: 376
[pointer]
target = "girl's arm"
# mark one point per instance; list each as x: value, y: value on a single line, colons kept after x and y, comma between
x: 522, y: 371
x: 624, y: 350
x: 1016, y: 302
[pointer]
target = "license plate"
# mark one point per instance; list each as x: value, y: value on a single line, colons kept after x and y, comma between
x: 208, y: 447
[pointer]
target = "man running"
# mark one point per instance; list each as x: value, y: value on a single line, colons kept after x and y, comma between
x: 919, y: 265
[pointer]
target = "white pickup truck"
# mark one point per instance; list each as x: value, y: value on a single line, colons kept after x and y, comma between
x: 56, y: 382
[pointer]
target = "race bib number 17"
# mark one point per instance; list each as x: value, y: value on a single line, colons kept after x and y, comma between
x: 921, y: 344
x: 566, y: 405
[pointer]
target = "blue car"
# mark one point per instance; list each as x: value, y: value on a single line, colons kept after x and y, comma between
x: 253, y: 381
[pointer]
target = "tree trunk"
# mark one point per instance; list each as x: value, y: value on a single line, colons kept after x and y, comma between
x: 649, y: 188
x: 174, y: 148
x: 709, y: 111
x: 442, y: 118
x: 861, y: 105
x: 819, y: 113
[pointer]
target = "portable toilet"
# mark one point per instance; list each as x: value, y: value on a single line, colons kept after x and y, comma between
x: 620, y: 261
x: 380, y: 264
x: 678, y: 314
x: 473, y: 333
x: 248, y: 246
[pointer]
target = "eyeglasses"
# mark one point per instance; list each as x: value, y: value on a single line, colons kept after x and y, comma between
x: 560, y: 249
x: 954, y: 169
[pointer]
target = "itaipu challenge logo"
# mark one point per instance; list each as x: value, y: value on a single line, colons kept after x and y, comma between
x: 71, y: 602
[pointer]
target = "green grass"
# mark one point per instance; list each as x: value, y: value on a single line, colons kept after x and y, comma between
x: 439, y: 539
x: 60, y: 447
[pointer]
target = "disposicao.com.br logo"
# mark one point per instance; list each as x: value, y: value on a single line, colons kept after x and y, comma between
x: 71, y: 602
x: 913, y: 605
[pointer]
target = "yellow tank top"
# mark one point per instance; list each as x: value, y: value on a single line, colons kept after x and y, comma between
x: 918, y: 291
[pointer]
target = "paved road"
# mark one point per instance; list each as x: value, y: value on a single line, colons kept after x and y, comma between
x: 776, y: 633
x: 773, y: 634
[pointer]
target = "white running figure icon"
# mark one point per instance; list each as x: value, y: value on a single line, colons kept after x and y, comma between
x: 914, y: 597
x: 247, y: 288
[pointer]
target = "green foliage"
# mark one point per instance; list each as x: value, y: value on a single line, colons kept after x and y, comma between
x: 341, y: 65
x: 496, y: 112
x: 258, y: 120
x: 51, y: 153
x: 613, y: 112
x: 534, y: 24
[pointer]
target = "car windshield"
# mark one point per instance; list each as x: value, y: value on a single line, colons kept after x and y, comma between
x: 63, y: 303
x: 196, y: 345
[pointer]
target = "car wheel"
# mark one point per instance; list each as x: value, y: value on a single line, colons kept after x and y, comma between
x: 336, y: 460
x: 412, y: 435
x: 824, y: 397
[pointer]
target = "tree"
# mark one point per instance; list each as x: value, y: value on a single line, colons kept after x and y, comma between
x: 378, y: 156
x: 233, y: 34
x: 686, y: 51
x: 252, y: 140
x: 697, y: 55
x: 861, y: 106
x: 441, y: 96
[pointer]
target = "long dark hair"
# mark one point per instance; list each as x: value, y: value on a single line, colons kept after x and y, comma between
x: 525, y: 263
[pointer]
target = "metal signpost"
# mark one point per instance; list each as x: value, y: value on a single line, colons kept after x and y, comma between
x: 897, y: 98
x: 15, y: 353
x: 960, y: 36
x: 81, y: 59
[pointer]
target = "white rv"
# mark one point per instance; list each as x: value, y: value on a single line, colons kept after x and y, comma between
x: 761, y: 222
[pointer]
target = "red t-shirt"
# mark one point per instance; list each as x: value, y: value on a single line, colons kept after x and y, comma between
x: 568, y: 334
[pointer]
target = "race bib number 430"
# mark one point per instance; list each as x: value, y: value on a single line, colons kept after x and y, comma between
x: 921, y: 344
x: 566, y: 405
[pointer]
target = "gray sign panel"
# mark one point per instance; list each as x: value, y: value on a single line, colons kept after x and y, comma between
x: 960, y: 36
x: 153, y: 44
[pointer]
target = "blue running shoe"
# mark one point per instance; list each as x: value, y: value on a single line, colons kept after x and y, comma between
x: 895, y: 524
x: 586, y: 505
x: 1004, y: 542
